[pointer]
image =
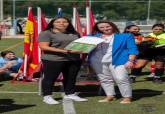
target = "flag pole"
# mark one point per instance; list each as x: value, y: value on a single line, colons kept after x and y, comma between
x: 39, y: 30
x: 39, y: 50
x: 74, y: 17
x: 87, y: 17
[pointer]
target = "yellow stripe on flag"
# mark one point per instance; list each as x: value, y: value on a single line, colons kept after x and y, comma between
x: 33, y: 66
x: 29, y: 31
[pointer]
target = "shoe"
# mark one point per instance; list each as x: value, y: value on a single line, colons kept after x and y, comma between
x: 132, y: 78
x: 126, y: 100
x: 49, y: 100
x: 74, y: 97
x: 107, y: 99
x: 157, y: 81
x: 151, y: 75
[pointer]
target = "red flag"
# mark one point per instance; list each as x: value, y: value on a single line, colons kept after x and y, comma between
x: 43, y: 22
x: 91, y: 20
x: 30, y: 46
x: 78, y: 24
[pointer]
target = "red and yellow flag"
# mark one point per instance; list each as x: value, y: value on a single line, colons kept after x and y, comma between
x: 30, y: 46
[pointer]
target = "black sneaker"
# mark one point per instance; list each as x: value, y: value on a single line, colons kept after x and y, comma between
x: 132, y: 79
x: 157, y: 81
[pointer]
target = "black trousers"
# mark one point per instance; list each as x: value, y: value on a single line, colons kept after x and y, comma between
x: 51, y: 71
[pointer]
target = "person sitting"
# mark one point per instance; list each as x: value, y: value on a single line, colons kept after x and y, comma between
x: 9, y: 64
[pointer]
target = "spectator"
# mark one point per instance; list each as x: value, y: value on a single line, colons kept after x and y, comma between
x: 9, y: 64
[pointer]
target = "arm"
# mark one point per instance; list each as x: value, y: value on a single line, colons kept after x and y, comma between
x: 45, y: 47
x: 132, y: 51
x: 6, y: 66
x: 44, y: 43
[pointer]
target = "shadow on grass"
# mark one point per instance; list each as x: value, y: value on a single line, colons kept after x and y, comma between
x: 1, y: 85
x: 144, y: 73
x: 7, y: 105
x: 142, y: 93
x: 96, y: 90
x: 85, y: 90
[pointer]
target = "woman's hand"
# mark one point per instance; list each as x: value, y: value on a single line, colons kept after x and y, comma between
x: 75, y: 51
x: 149, y: 39
x: 129, y: 64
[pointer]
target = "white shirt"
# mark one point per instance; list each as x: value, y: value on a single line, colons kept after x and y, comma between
x: 107, y: 58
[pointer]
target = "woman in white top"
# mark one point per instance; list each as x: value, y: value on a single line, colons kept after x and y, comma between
x: 111, y: 59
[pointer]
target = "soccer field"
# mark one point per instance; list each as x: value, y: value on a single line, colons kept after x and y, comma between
x: 22, y: 98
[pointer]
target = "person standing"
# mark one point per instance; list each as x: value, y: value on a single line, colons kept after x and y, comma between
x: 158, y: 37
x: 143, y: 57
x: 58, y: 34
x: 112, y: 58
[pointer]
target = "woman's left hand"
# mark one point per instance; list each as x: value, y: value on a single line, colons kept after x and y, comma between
x: 129, y: 64
x: 75, y: 51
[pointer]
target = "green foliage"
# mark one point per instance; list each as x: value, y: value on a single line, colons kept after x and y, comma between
x: 120, y: 9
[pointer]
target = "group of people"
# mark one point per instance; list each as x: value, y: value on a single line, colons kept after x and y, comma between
x: 151, y: 48
x: 110, y: 60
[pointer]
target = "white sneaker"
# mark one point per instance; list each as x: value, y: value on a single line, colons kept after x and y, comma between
x: 74, y: 97
x: 151, y: 75
x: 49, y: 100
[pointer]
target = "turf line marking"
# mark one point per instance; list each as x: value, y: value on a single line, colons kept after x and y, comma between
x: 17, y: 92
x: 13, y: 46
x: 68, y: 106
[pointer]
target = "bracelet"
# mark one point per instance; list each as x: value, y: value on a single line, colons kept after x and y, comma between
x: 132, y: 60
x: 68, y: 51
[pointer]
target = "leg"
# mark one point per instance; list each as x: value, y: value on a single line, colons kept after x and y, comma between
x: 51, y: 70
x: 120, y: 75
x: 107, y: 83
x: 140, y: 64
x: 159, y: 71
x: 70, y: 73
x: 159, y: 65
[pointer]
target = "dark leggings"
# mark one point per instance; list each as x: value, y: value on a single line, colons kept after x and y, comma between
x: 51, y: 71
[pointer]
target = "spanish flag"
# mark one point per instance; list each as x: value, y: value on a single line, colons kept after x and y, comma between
x: 31, y: 60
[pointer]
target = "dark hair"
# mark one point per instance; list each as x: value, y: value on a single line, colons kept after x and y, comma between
x: 158, y: 25
x: 4, y: 53
x: 95, y: 28
x: 70, y: 28
x: 128, y: 27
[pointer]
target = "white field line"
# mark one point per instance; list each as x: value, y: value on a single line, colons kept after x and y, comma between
x: 68, y: 106
x: 17, y: 92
